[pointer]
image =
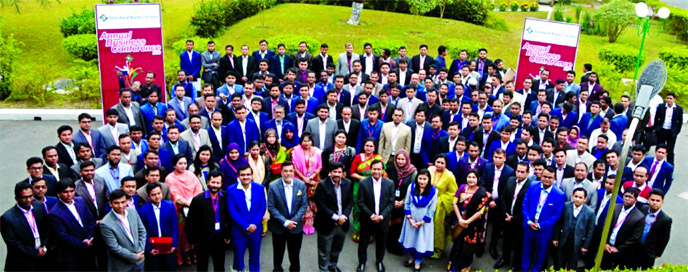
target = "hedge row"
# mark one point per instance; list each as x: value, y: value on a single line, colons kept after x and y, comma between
x: 379, y: 44
x: 79, y: 23
x: 623, y: 57
x: 676, y: 57
x: 212, y: 16
x: 454, y: 47
x: 83, y: 46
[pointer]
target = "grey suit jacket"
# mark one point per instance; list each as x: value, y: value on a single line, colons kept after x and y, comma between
x: 296, y: 56
x: 582, y: 230
x: 77, y: 166
x: 204, y: 123
x: 330, y: 128
x: 121, y: 250
x: 205, y: 139
x: 208, y: 59
x: 567, y: 186
x: 107, y: 135
x: 354, y: 93
x: 277, y: 206
x: 409, y: 116
x: 342, y: 66
x: 101, y: 196
x: 143, y: 195
x: 135, y: 110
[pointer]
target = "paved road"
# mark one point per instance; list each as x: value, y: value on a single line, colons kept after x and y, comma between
x: 20, y: 140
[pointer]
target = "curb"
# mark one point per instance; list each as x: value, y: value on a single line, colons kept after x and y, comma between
x: 47, y: 114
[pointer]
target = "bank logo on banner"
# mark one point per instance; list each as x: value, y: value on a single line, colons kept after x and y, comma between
x: 547, y: 45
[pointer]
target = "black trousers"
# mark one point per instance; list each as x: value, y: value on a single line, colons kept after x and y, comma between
x: 380, y: 232
x: 161, y: 262
x: 513, y: 241
x: 292, y: 242
x: 417, y: 161
x: 567, y: 255
x: 496, y: 216
x: 214, y: 249
x: 664, y: 136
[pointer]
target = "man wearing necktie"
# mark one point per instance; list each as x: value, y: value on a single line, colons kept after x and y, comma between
x: 625, y: 233
x: 656, y: 231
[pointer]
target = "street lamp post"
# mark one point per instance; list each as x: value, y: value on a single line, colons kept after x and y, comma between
x: 643, y: 27
x: 649, y: 84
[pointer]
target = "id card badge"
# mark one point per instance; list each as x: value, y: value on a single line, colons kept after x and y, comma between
x: 397, y: 193
x: 217, y: 225
x: 38, y: 242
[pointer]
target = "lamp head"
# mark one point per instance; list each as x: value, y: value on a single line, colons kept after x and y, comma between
x: 641, y: 9
x: 649, y: 84
x: 663, y: 13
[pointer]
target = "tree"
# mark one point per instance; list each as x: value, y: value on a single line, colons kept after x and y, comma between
x: 9, y: 50
x: 420, y: 7
x: 616, y: 16
x: 16, y: 3
x: 443, y: 5
x: 263, y: 5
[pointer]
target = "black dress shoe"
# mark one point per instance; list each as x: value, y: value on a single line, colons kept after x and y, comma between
x: 360, y: 268
x: 500, y: 263
x: 408, y: 263
x: 336, y: 269
x: 380, y: 267
x: 493, y: 253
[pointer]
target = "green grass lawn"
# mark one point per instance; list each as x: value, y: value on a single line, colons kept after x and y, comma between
x: 38, y: 29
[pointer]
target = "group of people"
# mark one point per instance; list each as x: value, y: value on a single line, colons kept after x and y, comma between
x: 411, y: 153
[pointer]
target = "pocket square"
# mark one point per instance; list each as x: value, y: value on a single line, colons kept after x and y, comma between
x: 299, y: 193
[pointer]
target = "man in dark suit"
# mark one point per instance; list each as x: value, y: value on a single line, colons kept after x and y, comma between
x: 247, y: 206
x: 274, y: 99
x: 556, y: 95
x: 482, y: 62
x: 625, y: 233
x: 208, y: 225
x: 473, y: 161
x: 39, y: 189
x: 423, y: 60
x: 34, y: 166
x: 512, y: 203
x: 656, y: 231
x: 592, y: 86
x: 217, y: 134
x: 246, y: 65
x: 159, y: 216
x: 543, y: 83
x: 65, y: 147
x: 91, y: 137
x: 263, y: 52
x: 287, y: 203
x: 228, y: 63
x: 175, y: 145
x: 494, y: 180
x: 667, y: 124
x: 242, y: 130
x: 661, y: 173
x: 369, y: 60
x: 74, y: 229
x: 96, y: 203
x: 486, y: 135
x: 59, y: 170
x: 299, y: 118
x: 574, y: 230
x: 375, y: 200
x: 24, y: 229
x: 542, y: 207
x: 280, y: 62
x: 350, y: 126
x: 334, y: 201
x: 604, y: 195
x: 321, y: 61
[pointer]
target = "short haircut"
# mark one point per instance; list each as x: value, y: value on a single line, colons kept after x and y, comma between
x: 580, y: 189
x: 117, y: 194
x: 32, y: 161
x: 63, y: 185
x: 152, y: 186
x: 657, y: 191
x: 20, y: 187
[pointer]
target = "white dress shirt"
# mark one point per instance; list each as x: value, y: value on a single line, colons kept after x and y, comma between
x: 377, y: 194
x: 668, y: 116
x: 247, y: 193
x: 322, y: 129
x: 125, y: 223
x: 619, y: 222
x: 156, y: 211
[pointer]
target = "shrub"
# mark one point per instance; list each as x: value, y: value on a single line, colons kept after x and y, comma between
x: 676, y: 57
x: 470, y: 11
x: 559, y: 13
x: 623, y: 57
x: 9, y: 50
x: 616, y: 16
x: 503, y: 6
x: 496, y: 22
x: 677, y: 82
x: 79, y: 23
x: 525, y: 6
x: 291, y: 43
x: 31, y: 84
x: 579, y: 10
x: 200, y: 45
x: 211, y: 17
x: 613, y: 80
x: 677, y: 23
x: 455, y: 46
x: 513, y: 5
x: 379, y: 44
x: 534, y: 6
x: 85, y: 82
x: 420, y: 7
x: 83, y: 46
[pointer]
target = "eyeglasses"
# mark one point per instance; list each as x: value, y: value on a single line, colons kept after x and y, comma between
x: 35, y: 168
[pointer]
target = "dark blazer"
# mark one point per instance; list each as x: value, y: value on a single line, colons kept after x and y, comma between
x: 508, y: 195
x: 630, y: 232
x: 429, y: 147
x: 200, y: 223
x: 69, y: 235
x: 219, y: 145
x: 50, y: 183
x: 366, y: 201
x: 536, y: 85
x: 512, y: 160
x: 560, y: 97
x: 658, y: 237
x: 351, y: 136
x: 63, y: 155
x: 413, y: 126
x: 488, y: 179
x: 363, y: 57
x: 135, y: 110
x: 536, y: 135
x: 169, y: 227
x: 16, y: 232
x: 478, y: 137
x: 236, y: 135
x: 64, y: 172
x: 317, y: 65
x: 226, y: 66
x: 184, y: 148
x: 594, y: 93
x: 268, y: 55
x: 444, y: 144
x: 582, y: 231
x: 415, y: 63
x: 665, y: 176
x: 267, y: 106
x: 49, y: 203
x: 406, y: 79
x: 251, y: 67
x: 292, y: 118
x: 465, y: 166
x: 99, y: 147
x: 277, y: 205
x: 101, y: 196
x: 326, y: 201
x: 676, y: 119
x: 275, y: 65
